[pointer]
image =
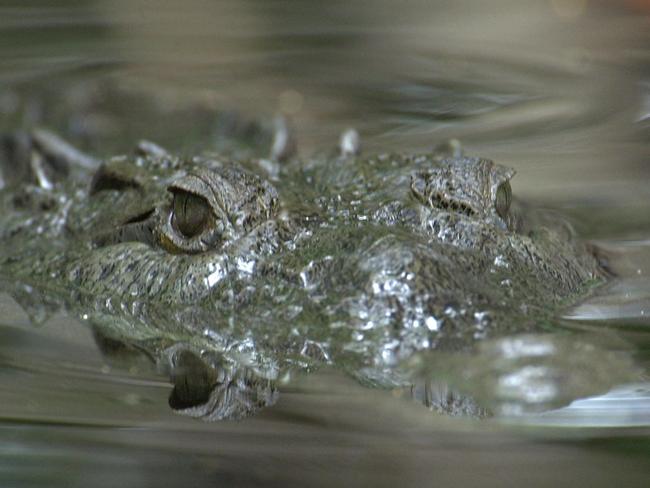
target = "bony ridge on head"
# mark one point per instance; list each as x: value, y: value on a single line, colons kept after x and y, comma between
x: 473, y: 187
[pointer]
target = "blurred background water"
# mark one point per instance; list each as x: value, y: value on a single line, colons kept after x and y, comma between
x: 558, y: 89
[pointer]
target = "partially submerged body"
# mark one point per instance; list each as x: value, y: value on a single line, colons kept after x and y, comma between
x: 352, y: 261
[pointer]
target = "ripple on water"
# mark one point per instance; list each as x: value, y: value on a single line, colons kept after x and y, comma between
x: 554, y: 94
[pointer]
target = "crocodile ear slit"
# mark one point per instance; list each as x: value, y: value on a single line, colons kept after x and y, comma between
x: 140, y: 217
x: 136, y: 229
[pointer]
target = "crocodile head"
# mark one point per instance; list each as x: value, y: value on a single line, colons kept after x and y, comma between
x: 155, y: 227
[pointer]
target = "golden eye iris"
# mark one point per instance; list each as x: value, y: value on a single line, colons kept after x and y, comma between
x: 503, y: 199
x: 190, y: 213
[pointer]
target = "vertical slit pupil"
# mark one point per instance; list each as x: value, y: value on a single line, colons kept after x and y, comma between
x: 503, y: 199
x: 190, y: 213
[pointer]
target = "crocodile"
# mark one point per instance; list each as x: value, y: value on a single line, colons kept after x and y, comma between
x: 232, y: 271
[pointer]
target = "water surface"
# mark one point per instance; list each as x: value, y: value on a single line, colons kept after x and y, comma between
x: 559, y: 90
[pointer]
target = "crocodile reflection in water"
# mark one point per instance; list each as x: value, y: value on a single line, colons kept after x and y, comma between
x: 357, y: 262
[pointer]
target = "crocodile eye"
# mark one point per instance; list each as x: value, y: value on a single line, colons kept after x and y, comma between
x: 190, y: 213
x: 503, y: 199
